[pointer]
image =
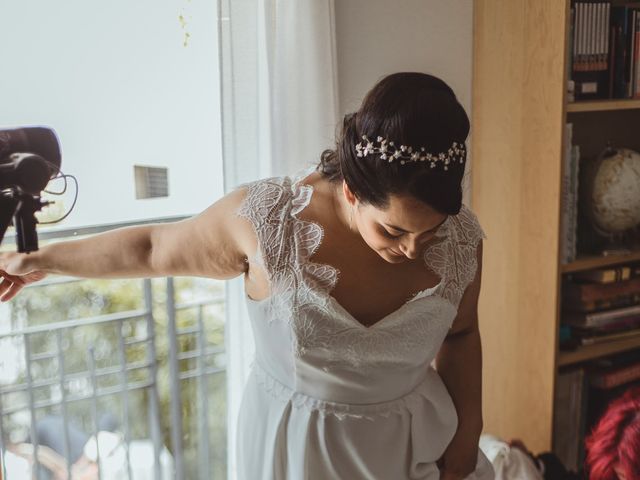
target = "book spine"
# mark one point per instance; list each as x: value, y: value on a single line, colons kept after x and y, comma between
x: 607, y: 34
x: 599, y: 14
x: 637, y: 59
x: 602, y: 318
x: 566, y: 201
x: 608, y: 275
x: 595, y: 305
x: 578, y: 67
x: 573, y: 226
x: 612, y: 53
x: 590, y: 292
x: 593, y: 37
x: 609, y: 337
x: 632, y: 53
x: 616, y: 378
x: 602, y: 38
x: 618, y: 22
x: 572, y: 45
x: 568, y: 423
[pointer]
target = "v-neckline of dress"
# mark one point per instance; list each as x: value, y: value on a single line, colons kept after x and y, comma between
x: 424, y: 293
x: 428, y: 293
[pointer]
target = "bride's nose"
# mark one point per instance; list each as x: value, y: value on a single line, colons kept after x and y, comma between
x: 409, y: 248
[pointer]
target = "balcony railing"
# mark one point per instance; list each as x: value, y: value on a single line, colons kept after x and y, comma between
x: 159, y: 368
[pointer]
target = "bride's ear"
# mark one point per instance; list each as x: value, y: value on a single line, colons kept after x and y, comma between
x: 348, y: 194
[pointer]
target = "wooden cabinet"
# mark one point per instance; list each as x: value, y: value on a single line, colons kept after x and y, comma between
x: 519, y: 111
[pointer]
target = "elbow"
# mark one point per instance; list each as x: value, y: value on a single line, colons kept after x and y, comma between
x: 154, y: 264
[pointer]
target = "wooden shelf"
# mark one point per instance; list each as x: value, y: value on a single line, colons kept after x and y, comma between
x: 587, y: 263
x: 603, y: 105
x: 590, y: 352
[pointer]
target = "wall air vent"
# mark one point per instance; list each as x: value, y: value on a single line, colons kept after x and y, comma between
x: 151, y: 182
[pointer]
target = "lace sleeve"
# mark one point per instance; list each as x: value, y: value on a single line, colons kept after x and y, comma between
x: 469, y: 234
x: 285, y: 245
x: 261, y: 208
x: 454, y: 256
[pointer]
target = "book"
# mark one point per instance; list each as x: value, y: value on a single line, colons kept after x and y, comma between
x: 623, y: 21
x: 566, y: 240
x: 587, y: 339
x: 618, y: 316
x: 630, y: 76
x: 621, y: 359
x: 613, y: 35
x: 614, y: 326
x: 604, y: 275
x: 637, y: 56
x: 569, y: 417
x: 625, y: 300
x: 610, y: 378
x: 569, y: 213
x: 574, y: 165
x: 604, y: 49
x: 589, y: 297
x: 589, y: 49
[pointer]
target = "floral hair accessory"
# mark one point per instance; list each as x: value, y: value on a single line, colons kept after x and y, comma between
x: 405, y: 154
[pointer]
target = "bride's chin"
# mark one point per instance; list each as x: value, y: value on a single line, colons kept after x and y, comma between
x: 392, y: 258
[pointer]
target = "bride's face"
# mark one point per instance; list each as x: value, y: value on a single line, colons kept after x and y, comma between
x: 400, y: 232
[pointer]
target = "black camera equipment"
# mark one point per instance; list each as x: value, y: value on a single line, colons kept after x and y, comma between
x: 29, y: 158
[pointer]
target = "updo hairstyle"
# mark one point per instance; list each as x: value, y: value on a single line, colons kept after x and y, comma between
x: 408, y: 108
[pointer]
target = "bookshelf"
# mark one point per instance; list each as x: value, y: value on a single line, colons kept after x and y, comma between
x: 519, y: 112
x: 596, y: 351
x: 587, y: 263
x: 603, y: 105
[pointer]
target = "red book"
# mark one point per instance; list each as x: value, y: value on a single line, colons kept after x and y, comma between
x: 592, y: 292
x: 613, y: 378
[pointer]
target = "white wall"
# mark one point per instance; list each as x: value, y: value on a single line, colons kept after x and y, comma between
x: 378, y: 37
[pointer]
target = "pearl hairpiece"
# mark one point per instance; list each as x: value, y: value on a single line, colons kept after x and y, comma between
x: 388, y: 150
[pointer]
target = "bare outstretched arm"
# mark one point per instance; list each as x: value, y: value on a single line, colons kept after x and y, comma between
x: 212, y: 244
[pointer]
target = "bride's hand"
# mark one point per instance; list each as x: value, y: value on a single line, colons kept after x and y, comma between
x: 16, y: 273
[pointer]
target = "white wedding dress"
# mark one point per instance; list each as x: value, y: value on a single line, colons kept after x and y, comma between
x: 327, y: 397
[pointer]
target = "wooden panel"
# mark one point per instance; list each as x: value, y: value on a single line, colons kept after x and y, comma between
x: 518, y: 112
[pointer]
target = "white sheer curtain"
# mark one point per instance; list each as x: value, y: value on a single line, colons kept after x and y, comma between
x: 279, y: 98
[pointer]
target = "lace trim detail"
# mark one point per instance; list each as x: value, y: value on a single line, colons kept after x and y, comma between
x: 453, y: 256
x: 285, y: 245
x: 339, y: 410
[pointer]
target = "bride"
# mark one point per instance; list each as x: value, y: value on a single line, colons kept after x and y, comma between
x: 362, y: 277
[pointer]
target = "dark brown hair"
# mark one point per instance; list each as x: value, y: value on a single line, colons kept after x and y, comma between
x: 408, y: 108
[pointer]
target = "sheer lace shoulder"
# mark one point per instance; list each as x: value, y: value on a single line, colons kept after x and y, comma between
x: 453, y: 255
x: 285, y: 244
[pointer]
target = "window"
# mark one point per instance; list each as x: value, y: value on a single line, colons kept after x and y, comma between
x: 123, y: 83
x: 132, y: 90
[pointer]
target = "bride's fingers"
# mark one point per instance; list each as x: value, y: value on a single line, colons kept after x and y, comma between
x: 12, y: 292
x: 7, y: 276
x: 12, y: 278
x: 5, y: 283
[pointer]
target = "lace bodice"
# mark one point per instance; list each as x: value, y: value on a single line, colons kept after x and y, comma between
x: 300, y: 288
